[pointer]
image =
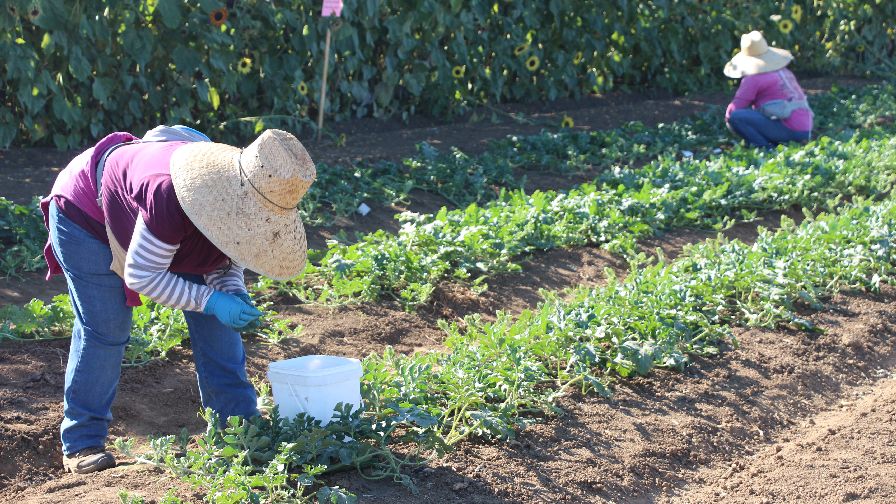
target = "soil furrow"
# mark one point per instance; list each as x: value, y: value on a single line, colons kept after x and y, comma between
x: 846, y: 453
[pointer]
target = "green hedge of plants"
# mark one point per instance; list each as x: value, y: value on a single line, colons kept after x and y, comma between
x: 73, y: 71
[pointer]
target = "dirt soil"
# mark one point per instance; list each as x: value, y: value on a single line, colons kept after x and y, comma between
x: 784, y: 417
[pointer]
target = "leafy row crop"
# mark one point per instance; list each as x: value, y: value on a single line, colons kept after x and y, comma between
x: 463, y: 179
x: 497, y: 377
x: 155, y: 330
x: 459, y: 178
x: 841, y: 109
x: 22, y: 237
x: 622, y: 206
x: 242, y: 66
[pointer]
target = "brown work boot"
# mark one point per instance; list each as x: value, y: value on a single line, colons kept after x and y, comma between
x: 88, y: 460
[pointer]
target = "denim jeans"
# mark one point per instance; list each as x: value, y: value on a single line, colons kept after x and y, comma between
x: 101, y: 330
x: 760, y: 131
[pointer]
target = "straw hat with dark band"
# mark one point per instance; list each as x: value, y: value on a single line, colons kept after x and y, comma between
x: 756, y: 56
x: 244, y: 200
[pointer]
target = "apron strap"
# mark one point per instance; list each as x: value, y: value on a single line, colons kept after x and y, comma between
x: 101, y: 166
x: 118, y: 252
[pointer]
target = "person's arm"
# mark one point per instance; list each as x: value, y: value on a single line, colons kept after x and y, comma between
x: 744, y: 97
x: 228, y: 279
x: 146, y: 272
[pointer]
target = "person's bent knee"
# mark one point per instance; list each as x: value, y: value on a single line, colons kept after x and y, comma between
x: 107, y: 338
x: 739, y: 116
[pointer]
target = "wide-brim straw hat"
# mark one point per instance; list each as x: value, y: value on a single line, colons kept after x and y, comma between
x: 756, y: 57
x: 245, y: 200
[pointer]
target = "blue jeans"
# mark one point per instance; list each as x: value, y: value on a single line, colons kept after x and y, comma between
x: 760, y: 131
x: 102, y: 328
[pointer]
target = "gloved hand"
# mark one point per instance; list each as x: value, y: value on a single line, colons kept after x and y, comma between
x: 255, y: 324
x: 245, y: 297
x: 231, y: 310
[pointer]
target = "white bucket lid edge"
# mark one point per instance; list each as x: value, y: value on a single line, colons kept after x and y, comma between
x: 302, y: 366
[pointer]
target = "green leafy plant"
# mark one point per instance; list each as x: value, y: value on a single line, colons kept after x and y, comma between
x: 22, y: 237
x: 37, y: 320
x: 155, y: 330
x: 245, y: 66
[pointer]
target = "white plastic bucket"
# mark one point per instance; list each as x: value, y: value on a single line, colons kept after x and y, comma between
x: 314, y: 384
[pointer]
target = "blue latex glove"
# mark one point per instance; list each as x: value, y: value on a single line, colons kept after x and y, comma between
x: 231, y: 310
x: 245, y: 297
x: 255, y: 324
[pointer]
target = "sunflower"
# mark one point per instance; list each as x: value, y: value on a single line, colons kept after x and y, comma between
x: 578, y: 58
x: 567, y: 122
x: 303, y: 88
x: 785, y: 25
x: 520, y: 49
x: 244, y: 66
x: 457, y: 72
x: 218, y: 16
x: 796, y: 12
x: 532, y: 63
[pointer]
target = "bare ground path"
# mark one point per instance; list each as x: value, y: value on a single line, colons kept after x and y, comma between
x: 846, y: 453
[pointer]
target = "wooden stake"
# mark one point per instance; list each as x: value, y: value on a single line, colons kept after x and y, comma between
x: 323, y: 88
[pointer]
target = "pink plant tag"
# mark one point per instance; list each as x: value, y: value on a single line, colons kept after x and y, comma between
x: 332, y: 8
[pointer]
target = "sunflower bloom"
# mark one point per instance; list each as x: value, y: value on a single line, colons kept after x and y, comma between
x: 578, y: 58
x: 785, y: 25
x: 796, y: 12
x: 567, y: 122
x: 532, y: 63
x: 520, y: 49
x: 303, y: 88
x: 244, y: 66
x: 218, y: 16
x: 457, y: 72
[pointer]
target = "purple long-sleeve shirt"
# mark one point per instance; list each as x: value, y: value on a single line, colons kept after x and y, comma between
x: 136, y: 185
x: 756, y: 90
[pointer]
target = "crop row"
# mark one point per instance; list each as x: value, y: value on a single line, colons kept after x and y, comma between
x: 496, y: 377
x: 459, y: 178
x: 620, y: 207
x: 463, y: 179
x: 22, y: 237
x: 155, y: 329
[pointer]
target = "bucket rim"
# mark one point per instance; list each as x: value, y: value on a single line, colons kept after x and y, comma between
x: 348, y: 365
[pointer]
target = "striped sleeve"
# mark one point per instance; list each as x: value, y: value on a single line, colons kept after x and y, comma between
x: 228, y: 279
x: 146, y: 271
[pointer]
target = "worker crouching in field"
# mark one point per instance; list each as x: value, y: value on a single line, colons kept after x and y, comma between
x: 176, y: 218
x: 769, y: 107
